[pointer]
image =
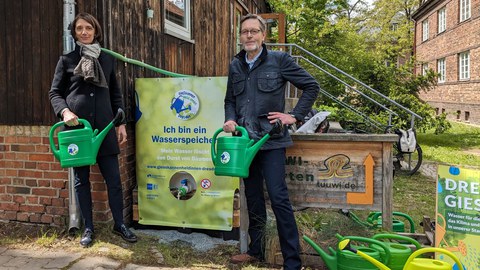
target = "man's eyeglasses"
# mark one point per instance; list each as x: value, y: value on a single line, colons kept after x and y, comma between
x: 253, y: 32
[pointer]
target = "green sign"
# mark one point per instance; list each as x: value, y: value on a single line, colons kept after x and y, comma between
x: 457, y: 227
x: 176, y: 119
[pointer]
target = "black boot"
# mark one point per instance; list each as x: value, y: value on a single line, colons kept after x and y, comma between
x: 125, y: 233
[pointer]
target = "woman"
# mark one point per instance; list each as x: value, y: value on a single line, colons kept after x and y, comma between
x: 85, y: 86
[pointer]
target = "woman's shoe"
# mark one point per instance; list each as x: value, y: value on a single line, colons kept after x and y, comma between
x: 87, y: 238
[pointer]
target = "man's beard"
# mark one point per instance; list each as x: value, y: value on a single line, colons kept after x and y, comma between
x: 251, y: 48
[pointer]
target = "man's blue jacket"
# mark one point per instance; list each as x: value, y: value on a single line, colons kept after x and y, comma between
x: 253, y: 93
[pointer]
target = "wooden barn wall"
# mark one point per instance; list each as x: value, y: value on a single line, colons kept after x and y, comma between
x: 33, y: 44
x: 28, y: 54
x: 212, y: 37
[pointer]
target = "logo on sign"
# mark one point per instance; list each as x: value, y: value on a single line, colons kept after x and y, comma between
x: 185, y: 104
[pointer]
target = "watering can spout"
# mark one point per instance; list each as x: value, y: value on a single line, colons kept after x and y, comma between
x: 253, y: 149
x: 330, y: 260
x: 232, y: 155
x: 98, y: 139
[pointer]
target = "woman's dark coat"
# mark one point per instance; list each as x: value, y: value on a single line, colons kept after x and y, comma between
x: 95, y: 104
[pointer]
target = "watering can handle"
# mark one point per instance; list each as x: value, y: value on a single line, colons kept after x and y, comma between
x: 370, y: 241
x: 375, y: 215
x: 433, y: 249
x: 213, y: 151
x: 55, y: 150
x: 397, y: 237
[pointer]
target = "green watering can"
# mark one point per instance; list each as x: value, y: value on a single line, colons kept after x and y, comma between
x: 79, y: 147
x: 412, y: 263
x: 375, y: 218
x: 345, y: 260
x: 232, y: 155
x: 400, y: 251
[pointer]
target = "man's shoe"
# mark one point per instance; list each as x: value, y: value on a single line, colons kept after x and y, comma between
x: 243, y: 258
x: 125, y: 233
x: 87, y: 238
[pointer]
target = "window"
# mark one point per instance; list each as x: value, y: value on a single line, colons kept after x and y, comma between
x: 464, y: 66
x: 441, y: 70
x: 425, y: 30
x: 467, y: 116
x: 424, y: 69
x: 177, y: 18
x: 464, y: 10
x: 442, y: 20
x: 394, y: 27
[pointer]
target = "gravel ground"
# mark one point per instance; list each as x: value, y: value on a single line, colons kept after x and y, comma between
x: 198, y: 241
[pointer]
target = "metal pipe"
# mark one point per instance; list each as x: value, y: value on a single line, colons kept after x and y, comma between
x: 75, y: 215
x: 68, y: 17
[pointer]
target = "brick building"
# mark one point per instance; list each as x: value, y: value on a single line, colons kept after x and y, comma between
x: 447, y: 40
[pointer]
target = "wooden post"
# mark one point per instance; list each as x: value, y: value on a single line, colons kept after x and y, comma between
x: 387, y: 196
x: 243, y: 219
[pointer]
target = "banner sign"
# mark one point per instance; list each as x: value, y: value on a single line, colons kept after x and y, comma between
x: 457, y: 226
x: 176, y: 119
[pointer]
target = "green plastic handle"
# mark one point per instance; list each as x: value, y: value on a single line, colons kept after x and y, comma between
x: 397, y: 237
x: 55, y: 150
x: 213, y: 149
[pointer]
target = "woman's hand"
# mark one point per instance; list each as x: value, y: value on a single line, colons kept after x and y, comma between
x: 69, y: 118
x: 229, y: 126
x: 122, y: 134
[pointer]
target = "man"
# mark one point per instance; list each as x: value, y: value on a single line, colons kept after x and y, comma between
x: 255, y: 99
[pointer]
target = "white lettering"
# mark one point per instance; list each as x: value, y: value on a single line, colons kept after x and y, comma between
x: 450, y: 184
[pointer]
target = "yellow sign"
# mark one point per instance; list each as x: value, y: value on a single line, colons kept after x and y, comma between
x: 176, y: 118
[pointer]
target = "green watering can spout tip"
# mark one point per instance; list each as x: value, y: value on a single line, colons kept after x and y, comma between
x: 330, y: 260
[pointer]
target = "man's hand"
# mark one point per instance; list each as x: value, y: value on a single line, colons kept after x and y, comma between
x: 286, y: 118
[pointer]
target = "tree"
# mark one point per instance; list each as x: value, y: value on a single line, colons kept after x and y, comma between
x: 373, y: 45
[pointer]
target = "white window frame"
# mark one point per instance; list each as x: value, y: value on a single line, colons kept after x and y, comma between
x: 442, y: 20
x: 424, y: 69
x: 425, y: 28
x: 179, y: 31
x: 465, y: 10
x: 464, y: 65
x: 441, y: 70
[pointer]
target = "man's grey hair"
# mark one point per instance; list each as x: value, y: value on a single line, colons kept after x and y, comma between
x: 263, y: 24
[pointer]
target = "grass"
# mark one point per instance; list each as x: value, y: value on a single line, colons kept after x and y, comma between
x: 459, y: 146
x: 413, y: 195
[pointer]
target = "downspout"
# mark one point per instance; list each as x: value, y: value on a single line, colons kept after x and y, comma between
x: 68, y: 17
x: 74, y: 213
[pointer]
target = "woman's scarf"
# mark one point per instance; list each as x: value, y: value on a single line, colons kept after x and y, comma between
x: 89, y: 67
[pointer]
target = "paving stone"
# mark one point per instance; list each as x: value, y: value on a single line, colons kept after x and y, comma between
x: 95, y: 263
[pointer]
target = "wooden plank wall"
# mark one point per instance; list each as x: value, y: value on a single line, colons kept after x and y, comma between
x: 213, y: 42
x: 31, y: 43
x: 28, y: 54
